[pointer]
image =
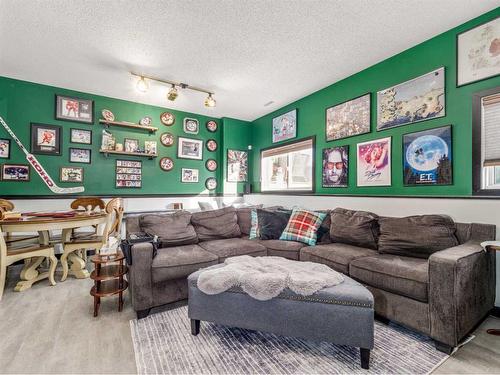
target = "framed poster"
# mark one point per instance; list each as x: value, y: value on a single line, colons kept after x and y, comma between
x: 4, y: 148
x: 128, y: 174
x: 335, y: 167
x: 374, y: 162
x: 427, y: 157
x: 190, y: 148
x: 478, y: 53
x: 82, y: 136
x: 74, y: 109
x: 237, y: 166
x: 45, y: 139
x: 71, y: 174
x: 15, y: 172
x: 189, y: 175
x: 419, y: 99
x: 349, y: 118
x: 285, y: 126
x: 80, y: 155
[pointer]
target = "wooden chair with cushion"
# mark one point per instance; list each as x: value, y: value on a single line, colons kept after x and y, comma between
x: 5, y: 206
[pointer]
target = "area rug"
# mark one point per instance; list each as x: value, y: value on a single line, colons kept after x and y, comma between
x: 163, y: 344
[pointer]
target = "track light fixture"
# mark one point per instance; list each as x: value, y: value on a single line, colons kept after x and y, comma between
x: 173, y: 93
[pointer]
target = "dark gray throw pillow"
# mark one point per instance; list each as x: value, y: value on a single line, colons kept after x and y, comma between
x: 172, y: 229
x: 416, y: 236
x: 272, y: 223
x: 358, y: 228
x: 216, y: 224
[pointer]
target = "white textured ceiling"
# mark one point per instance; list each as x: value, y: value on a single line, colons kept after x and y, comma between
x: 247, y: 52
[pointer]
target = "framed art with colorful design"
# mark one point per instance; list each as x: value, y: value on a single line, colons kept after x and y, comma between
x: 374, y: 162
x: 191, y: 126
x: 74, y: 109
x: 335, y: 167
x: 237, y: 166
x: 211, y: 183
x: 167, y: 164
x: 211, y: 165
x: 45, y: 139
x: 211, y: 126
x: 189, y: 175
x: 4, y: 148
x: 167, y: 139
x: 211, y: 145
x: 348, y: 118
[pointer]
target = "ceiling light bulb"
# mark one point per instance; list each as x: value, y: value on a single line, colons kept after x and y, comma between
x: 210, y: 101
x: 172, y: 93
x: 142, y: 85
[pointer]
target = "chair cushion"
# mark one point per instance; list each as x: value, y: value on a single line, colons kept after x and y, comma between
x: 172, y: 229
x: 303, y: 226
x: 233, y: 247
x: 405, y: 276
x: 272, y: 223
x: 416, y: 236
x: 216, y: 224
x: 244, y: 217
x: 180, y: 261
x: 358, y: 228
x: 285, y: 249
x: 335, y: 255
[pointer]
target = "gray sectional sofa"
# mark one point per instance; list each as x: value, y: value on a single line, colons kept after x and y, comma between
x: 425, y: 272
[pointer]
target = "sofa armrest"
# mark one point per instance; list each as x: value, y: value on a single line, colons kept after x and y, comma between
x: 461, y: 290
x: 140, y: 282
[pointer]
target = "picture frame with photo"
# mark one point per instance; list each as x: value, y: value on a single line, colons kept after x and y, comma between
x: 348, y: 118
x: 46, y: 139
x: 150, y: 147
x: 16, y: 172
x: 189, y: 148
x: 335, y: 167
x: 80, y: 155
x: 4, y: 148
x: 374, y: 162
x: 74, y: 109
x: 191, y: 126
x: 190, y: 175
x: 237, y: 166
x: 131, y: 145
x: 285, y: 126
x: 82, y: 136
x: 71, y: 174
x: 128, y: 174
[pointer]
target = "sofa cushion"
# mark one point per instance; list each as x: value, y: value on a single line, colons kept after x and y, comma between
x: 324, y: 229
x: 405, y: 276
x: 216, y: 224
x: 285, y: 249
x: 245, y: 218
x: 303, y: 226
x: 335, y: 255
x: 358, y: 228
x: 416, y: 236
x: 172, y: 229
x: 272, y: 223
x: 233, y: 247
x: 180, y: 261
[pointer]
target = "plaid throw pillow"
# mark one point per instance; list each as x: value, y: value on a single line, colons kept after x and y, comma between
x: 303, y: 226
x: 254, y: 229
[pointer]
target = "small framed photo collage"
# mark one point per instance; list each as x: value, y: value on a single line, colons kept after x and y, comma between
x: 128, y: 174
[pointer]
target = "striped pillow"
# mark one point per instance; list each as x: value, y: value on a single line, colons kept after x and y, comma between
x: 303, y: 226
x: 254, y: 229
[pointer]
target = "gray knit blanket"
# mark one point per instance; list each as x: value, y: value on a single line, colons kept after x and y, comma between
x: 264, y: 278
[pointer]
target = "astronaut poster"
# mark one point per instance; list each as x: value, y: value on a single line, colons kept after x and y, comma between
x: 335, y: 166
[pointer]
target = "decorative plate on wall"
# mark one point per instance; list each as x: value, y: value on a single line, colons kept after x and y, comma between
x: 211, y: 145
x: 167, y: 164
x: 167, y: 118
x: 211, y: 183
x: 191, y: 126
x: 108, y: 115
x: 146, y: 121
x: 211, y: 126
x: 211, y: 165
x: 167, y: 139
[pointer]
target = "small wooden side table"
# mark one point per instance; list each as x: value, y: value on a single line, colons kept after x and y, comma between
x: 493, y: 248
x: 108, y: 278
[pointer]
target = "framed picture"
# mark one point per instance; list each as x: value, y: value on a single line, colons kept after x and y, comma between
x: 237, y: 166
x: 166, y: 164
x: 45, y: 139
x: 71, y: 174
x: 191, y: 126
x: 420, y: 99
x: 128, y: 174
x: 4, y: 148
x: 374, y: 162
x: 211, y: 165
x: 131, y: 145
x: 150, y: 147
x: 335, y: 167
x: 80, y: 155
x: 211, y: 183
x: 427, y: 157
x: 349, y: 118
x: 285, y: 126
x: 211, y: 126
x: 74, y: 109
x: 478, y: 53
x: 15, y: 172
x: 211, y: 145
x: 190, y: 149
x: 82, y: 136
x: 189, y: 175
x: 167, y: 139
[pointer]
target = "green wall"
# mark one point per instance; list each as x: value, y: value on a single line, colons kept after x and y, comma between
x: 425, y: 57
x: 23, y: 102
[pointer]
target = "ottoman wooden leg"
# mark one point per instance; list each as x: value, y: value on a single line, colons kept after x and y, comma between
x: 365, y: 358
x: 195, y: 327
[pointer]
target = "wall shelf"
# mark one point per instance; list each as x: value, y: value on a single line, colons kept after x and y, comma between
x: 141, y: 154
x: 107, y: 124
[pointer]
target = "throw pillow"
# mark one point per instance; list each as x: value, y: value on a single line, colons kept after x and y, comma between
x: 254, y: 229
x: 244, y: 218
x: 416, y: 236
x: 303, y: 226
x: 216, y: 224
x: 172, y: 229
x: 272, y: 223
x: 207, y: 206
x: 358, y: 228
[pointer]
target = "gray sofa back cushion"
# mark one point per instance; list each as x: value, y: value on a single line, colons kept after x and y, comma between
x: 416, y: 236
x: 216, y: 224
x: 172, y: 229
x: 245, y: 218
x: 358, y: 228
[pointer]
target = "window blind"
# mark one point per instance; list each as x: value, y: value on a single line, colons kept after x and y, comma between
x: 297, y: 146
x: 491, y: 130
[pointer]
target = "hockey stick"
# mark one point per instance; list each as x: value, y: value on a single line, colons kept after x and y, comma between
x: 38, y: 167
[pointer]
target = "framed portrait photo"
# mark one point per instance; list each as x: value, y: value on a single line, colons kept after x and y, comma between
x: 74, y: 109
x: 82, y: 136
x: 190, y: 149
x: 71, y: 174
x: 348, y: 119
x: 80, y: 155
x: 45, y: 139
x: 16, y: 172
x: 285, y: 126
x: 4, y: 148
x: 335, y: 167
x: 189, y: 175
x: 237, y: 166
x: 374, y: 162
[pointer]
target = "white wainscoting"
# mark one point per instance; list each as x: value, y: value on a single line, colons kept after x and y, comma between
x: 462, y: 210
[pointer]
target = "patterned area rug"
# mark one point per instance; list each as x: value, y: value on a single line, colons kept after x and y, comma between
x: 163, y: 344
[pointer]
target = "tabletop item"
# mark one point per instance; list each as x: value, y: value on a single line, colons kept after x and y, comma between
x: 146, y: 121
x: 167, y: 118
x: 108, y: 115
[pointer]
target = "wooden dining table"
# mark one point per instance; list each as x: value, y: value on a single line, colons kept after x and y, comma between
x: 43, y: 223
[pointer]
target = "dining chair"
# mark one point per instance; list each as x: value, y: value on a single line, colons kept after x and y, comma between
x: 13, y: 252
x: 5, y: 206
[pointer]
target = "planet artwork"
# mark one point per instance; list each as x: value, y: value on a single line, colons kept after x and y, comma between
x: 428, y: 157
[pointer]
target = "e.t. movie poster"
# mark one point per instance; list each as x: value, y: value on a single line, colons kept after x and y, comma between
x: 428, y: 157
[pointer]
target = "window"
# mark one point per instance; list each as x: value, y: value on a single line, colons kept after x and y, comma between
x: 288, y: 167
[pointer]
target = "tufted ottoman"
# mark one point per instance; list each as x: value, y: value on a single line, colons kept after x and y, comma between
x: 342, y: 314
